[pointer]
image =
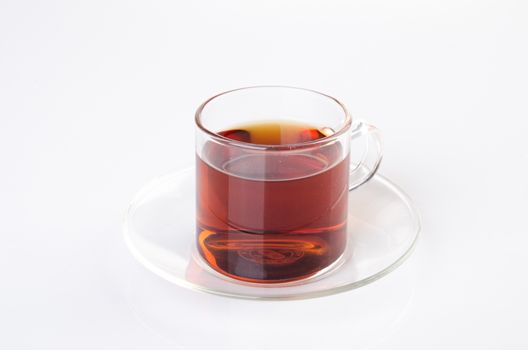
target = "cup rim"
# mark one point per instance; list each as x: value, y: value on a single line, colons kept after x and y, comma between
x: 225, y: 140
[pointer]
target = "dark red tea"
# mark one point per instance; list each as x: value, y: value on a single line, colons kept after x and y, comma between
x: 272, y: 216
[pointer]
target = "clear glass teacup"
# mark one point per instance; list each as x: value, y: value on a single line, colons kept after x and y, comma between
x: 273, y: 174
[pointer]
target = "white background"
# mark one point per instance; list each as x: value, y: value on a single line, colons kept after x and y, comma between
x: 97, y: 97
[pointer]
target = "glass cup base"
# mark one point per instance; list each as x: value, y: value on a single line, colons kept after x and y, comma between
x: 159, y: 230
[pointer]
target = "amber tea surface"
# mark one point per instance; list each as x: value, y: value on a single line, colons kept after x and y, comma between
x: 272, y: 216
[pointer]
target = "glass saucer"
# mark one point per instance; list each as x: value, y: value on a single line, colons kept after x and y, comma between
x: 159, y: 230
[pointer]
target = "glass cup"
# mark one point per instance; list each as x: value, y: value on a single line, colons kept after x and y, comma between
x: 271, y: 213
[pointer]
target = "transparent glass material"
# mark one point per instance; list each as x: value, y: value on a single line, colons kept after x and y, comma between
x: 159, y: 230
x: 277, y: 212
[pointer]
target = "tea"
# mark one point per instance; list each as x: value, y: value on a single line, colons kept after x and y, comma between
x: 272, y: 216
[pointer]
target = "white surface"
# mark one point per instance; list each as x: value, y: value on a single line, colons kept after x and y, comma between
x: 98, y: 97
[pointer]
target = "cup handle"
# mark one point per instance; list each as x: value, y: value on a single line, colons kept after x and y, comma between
x: 371, y: 158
